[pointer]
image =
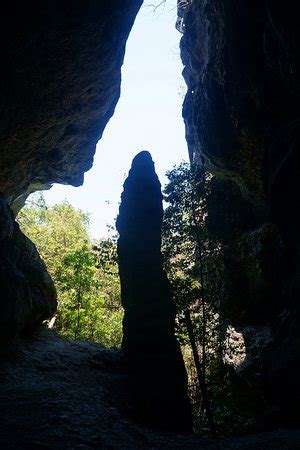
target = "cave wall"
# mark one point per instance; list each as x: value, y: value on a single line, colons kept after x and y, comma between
x: 60, y: 82
x: 241, y: 68
x: 27, y: 294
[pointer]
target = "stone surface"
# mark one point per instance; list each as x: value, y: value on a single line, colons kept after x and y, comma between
x: 74, y: 395
x: 242, y: 69
x: 234, y: 351
x: 27, y: 292
x: 159, y: 380
x: 253, y: 265
x: 60, y: 80
x: 246, y: 349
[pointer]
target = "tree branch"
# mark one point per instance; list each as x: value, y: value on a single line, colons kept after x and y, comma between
x: 155, y: 7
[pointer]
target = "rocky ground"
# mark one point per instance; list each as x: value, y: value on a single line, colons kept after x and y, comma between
x: 60, y: 394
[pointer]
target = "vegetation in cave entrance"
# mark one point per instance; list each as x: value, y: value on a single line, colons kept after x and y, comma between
x: 186, y: 250
x: 84, y: 271
x: 194, y: 263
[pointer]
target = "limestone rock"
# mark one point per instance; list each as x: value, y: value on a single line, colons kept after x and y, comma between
x: 246, y: 350
x: 159, y: 380
x: 47, y: 378
x: 253, y: 275
x: 27, y: 292
x: 234, y: 351
x: 242, y: 69
x: 60, y: 82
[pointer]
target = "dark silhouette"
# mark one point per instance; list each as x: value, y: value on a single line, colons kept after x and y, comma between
x: 157, y: 372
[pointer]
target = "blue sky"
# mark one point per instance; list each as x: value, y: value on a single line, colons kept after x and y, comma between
x: 147, y: 117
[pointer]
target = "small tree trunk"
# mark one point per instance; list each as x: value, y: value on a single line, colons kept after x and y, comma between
x: 78, y: 311
x: 201, y: 379
x: 202, y: 293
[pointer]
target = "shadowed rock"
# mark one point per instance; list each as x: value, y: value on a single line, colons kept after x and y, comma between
x: 241, y: 114
x: 158, y: 377
x: 60, y: 82
x: 27, y: 291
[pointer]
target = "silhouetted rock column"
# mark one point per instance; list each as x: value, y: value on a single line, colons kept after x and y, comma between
x: 158, y: 376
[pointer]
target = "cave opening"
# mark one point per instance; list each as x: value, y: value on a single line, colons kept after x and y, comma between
x: 74, y: 227
x: 228, y: 236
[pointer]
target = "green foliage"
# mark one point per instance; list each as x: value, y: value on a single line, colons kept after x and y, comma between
x: 191, y: 259
x: 85, y: 274
x: 194, y: 264
x: 179, y: 243
x: 186, y: 244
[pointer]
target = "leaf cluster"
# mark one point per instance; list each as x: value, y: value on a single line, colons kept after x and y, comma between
x: 85, y: 273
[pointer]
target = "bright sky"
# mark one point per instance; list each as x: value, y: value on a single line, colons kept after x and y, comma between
x: 147, y: 117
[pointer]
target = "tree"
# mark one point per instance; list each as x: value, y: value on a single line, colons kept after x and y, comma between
x: 85, y: 274
x: 186, y: 248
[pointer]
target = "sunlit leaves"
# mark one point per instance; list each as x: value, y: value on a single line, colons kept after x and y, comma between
x: 85, y: 273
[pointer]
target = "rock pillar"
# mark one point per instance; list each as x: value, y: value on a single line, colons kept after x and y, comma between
x: 158, y: 376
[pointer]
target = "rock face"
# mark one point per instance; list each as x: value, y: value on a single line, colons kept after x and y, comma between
x: 60, y: 81
x: 158, y: 377
x: 46, y: 379
x: 241, y: 68
x: 27, y: 292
